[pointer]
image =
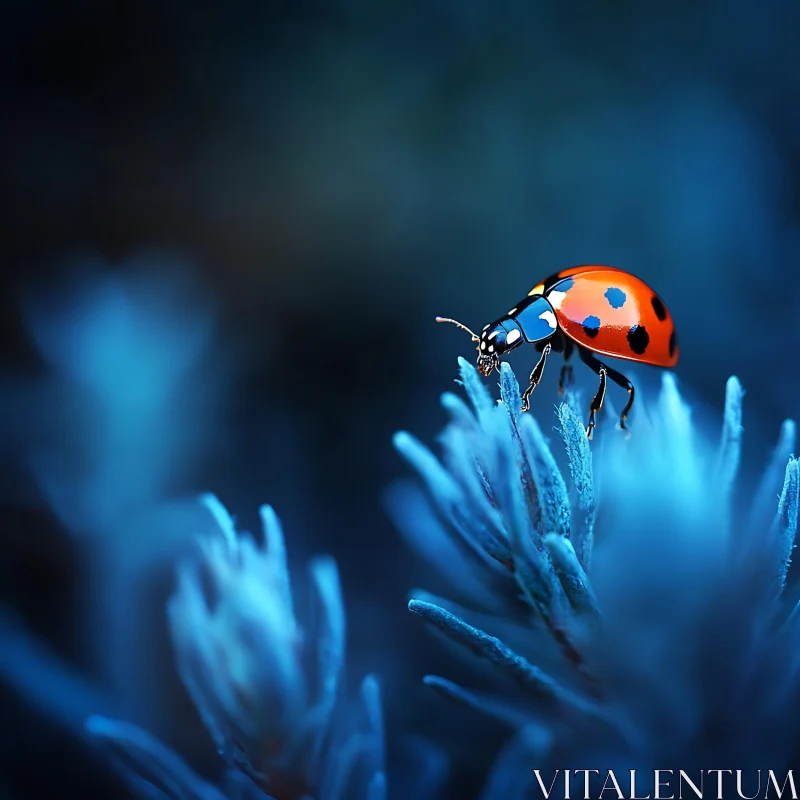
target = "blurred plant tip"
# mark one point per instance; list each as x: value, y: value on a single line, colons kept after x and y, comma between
x: 268, y: 690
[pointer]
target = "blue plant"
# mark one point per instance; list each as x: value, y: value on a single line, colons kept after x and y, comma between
x: 126, y: 348
x: 268, y: 691
x: 643, y: 620
x: 115, y: 424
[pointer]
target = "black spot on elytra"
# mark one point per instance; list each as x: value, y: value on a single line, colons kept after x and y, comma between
x: 673, y: 343
x: 591, y: 326
x: 566, y: 285
x: 658, y: 307
x: 638, y: 339
x: 616, y: 297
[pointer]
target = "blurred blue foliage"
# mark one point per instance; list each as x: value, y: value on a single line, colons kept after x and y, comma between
x: 626, y: 616
x: 670, y: 642
x: 267, y: 689
x: 123, y: 417
x: 130, y: 376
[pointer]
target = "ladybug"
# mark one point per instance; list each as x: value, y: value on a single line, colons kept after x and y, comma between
x: 591, y: 309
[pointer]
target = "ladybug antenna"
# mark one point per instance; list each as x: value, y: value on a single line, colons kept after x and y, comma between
x: 459, y: 325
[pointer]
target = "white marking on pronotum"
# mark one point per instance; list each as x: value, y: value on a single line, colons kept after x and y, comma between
x: 491, y: 348
x: 483, y: 345
x: 549, y: 317
x: 492, y: 335
x: 513, y: 336
x: 513, y: 311
x: 486, y: 327
x: 556, y: 298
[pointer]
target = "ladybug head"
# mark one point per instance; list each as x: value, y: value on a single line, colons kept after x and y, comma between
x: 495, y: 339
x: 487, y: 364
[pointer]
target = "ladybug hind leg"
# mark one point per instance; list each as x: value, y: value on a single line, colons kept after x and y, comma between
x: 597, y: 402
x: 536, y: 376
x: 602, y: 370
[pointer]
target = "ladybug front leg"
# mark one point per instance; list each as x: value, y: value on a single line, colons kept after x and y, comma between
x: 618, y: 378
x: 536, y: 376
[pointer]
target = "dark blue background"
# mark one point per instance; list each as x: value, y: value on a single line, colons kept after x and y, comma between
x: 325, y: 178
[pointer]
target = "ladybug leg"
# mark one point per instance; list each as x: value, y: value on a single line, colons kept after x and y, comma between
x: 618, y: 378
x: 536, y: 376
x: 622, y: 381
x: 597, y: 402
